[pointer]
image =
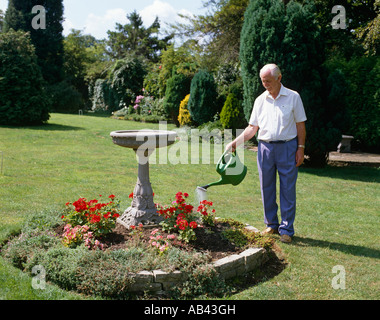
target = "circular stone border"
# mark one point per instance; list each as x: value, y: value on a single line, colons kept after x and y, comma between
x: 158, y: 281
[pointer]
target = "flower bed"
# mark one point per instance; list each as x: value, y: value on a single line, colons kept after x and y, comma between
x: 90, y: 254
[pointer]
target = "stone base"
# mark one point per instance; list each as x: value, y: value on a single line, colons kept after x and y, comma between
x: 133, y: 217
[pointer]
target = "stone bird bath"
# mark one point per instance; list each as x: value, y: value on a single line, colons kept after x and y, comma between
x: 143, y: 142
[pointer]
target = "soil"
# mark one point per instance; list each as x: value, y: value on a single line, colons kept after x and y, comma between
x: 207, y: 240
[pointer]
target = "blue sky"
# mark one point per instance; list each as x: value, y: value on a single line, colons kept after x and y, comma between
x: 97, y: 16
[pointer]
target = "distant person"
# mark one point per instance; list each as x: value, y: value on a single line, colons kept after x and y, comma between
x: 279, y: 116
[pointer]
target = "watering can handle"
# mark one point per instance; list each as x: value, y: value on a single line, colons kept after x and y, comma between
x: 224, y: 154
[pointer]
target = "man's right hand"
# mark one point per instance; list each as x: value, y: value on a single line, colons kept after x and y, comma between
x: 231, y: 146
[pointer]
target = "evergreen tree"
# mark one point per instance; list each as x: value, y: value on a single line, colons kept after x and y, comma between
x: 203, y: 97
x: 232, y: 116
x: 22, y: 97
x: 289, y: 36
x: 134, y: 38
x: 177, y: 87
x: 48, y: 42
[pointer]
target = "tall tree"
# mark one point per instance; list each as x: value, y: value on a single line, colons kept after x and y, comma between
x: 289, y: 36
x: 47, y: 39
x: 217, y: 32
x: 134, y: 38
x: 23, y: 100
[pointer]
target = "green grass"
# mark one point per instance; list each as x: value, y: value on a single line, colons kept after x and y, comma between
x: 73, y: 156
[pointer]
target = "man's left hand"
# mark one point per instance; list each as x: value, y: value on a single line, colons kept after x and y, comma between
x: 300, y: 156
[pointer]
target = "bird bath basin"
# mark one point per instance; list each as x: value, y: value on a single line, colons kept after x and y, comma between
x: 143, y: 142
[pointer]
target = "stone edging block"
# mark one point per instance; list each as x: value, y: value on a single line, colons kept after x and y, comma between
x: 158, y: 281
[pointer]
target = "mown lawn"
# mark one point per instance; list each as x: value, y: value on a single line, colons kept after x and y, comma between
x: 73, y: 156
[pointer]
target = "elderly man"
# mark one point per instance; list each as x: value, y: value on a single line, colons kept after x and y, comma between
x: 279, y: 116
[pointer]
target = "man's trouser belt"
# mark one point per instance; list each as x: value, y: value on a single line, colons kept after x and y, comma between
x: 277, y: 141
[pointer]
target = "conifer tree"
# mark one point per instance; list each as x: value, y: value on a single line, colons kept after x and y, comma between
x: 22, y: 98
x: 203, y: 97
x: 289, y: 36
x: 48, y: 41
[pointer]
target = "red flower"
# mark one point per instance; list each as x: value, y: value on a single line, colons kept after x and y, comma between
x: 112, y: 196
x: 131, y: 195
x: 182, y: 224
x: 116, y: 215
x: 95, y: 218
x: 193, y: 224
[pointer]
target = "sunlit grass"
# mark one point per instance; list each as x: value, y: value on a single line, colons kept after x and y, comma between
x: 73, y: 156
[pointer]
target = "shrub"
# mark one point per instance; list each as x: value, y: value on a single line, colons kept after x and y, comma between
x: 101, y: 275
x: 203, y: 98
x: 23, y: 99
x: 127, y: 79
x: 20, y: 250
x: 184, y: 117
x: 121, y: 87
x: 177, y: 87
x: 232, y: 115
x: 203, y: 280
x: 65, y: 98
x: 61, y: 265
x: 104, y: 97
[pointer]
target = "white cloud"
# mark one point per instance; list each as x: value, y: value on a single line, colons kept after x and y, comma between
x: 165, y: 12
x: 3, y: 5
x: 99, y: 25
x: 67, y: 26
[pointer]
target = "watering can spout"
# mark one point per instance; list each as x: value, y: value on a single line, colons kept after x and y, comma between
x: 231, y: 170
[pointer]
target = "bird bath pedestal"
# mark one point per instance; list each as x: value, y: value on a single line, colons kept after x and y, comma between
x: 143, y: 142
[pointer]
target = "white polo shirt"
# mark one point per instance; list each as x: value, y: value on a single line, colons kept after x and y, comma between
x: 277, y: 118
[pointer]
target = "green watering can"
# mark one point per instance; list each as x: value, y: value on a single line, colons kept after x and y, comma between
x: 231, y: 170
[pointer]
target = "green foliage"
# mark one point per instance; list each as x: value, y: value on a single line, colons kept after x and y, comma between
x: 48, y: 42
x: 203, y: 97
x: 84, y: 59
x: 123, y: 85
x: 178, y: 59
x: 362, y: 98
x: 177, y: 87
x: 104, y: 97
x: 65, y: 98
x: 127, y: 78
x: 203, y: 280
x: 23, y: 99
x: 232, y: 115
x: 275, y: 33
x: 261, y: 40
x: 133, y: 38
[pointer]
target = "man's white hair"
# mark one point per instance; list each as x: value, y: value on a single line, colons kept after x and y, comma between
x: 273, y: 68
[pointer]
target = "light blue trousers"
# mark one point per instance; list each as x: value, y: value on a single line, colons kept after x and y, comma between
x: 281, y: 158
